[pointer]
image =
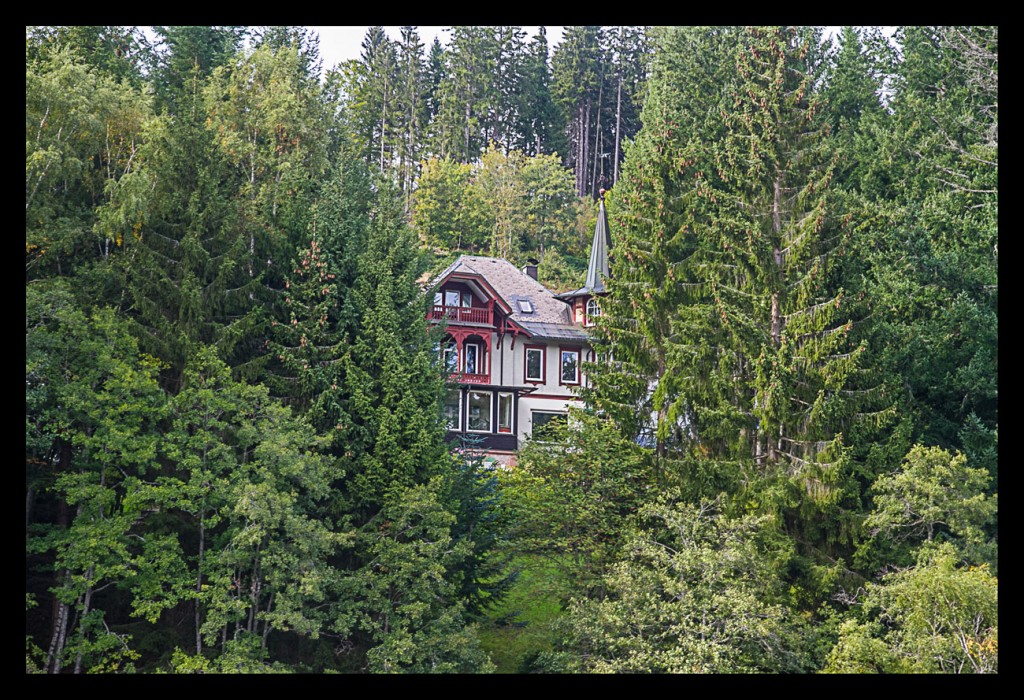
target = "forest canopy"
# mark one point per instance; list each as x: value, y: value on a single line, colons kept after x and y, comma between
x: 785, y: 456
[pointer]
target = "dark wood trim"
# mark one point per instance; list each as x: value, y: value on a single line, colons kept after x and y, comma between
x: 498, y: 442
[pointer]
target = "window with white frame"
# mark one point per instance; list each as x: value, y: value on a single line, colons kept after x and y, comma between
x: 450, y: 357
x: 453, y: 409
x: 569, y: 372
x: 593, y: 311
x: 534, y: 364
x: 479, y: 403
x: 505, y: 404
x: 454, y: 297
x: 473, y: 358
x: 545, y: 423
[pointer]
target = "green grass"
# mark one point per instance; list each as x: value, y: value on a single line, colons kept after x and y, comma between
x: 519, y: 627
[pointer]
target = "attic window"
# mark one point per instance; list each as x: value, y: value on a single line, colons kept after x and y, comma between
x: 525, y: 306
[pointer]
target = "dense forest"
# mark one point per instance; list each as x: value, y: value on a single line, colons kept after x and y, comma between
x: 786, y: 460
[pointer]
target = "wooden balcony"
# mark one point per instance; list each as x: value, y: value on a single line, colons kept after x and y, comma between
x: 463, y: 378
x: 464, y: 314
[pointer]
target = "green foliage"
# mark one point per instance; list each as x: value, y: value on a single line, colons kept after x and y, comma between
x: 934, y: 496
x: 475, y: 498
x: 447, y: 212
x: 937, y: 617
x: 250, y: 478
x: 407, y: 603
x: 694, y: 592
x: 803, y: 317
x: 243, y: 654
x: 93, y: 419
x: 572, y: 497
x: 81, y: 132
x: 519, y: 627
x: 390, y: 386
x: 507, y: 205
x: 189, y: 55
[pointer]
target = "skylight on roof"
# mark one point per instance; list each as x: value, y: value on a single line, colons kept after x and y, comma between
x: 525, y: 306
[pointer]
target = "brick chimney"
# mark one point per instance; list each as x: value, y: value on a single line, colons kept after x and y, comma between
x: 531, y: 268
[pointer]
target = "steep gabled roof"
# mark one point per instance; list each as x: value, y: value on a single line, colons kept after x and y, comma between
x: 548, y: 317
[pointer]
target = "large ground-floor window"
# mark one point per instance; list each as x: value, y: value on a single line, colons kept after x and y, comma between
x: 545, y: 421
x: 479, y: 403
x: 505, y: 406
x: 453, y: 409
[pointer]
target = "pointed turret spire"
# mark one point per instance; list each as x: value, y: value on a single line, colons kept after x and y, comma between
x: 597, y: 271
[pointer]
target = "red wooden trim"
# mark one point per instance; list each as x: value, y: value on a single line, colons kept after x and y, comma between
x: 579, y: 364
x: 518, y: 328
x: 483, y: 282
x: 543, y: 363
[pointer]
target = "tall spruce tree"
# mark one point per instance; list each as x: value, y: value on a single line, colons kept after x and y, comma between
x: 411, y: 107
x: 576, y: 81
x: 467, y: 96
x: 734, y: 331
x: 540, y: 119
x: 390, y: 384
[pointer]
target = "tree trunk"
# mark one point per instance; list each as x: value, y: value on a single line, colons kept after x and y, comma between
x: 469, y: 112
x: 199, y: 581
x: 85, y: 611
x: 597, y: 135
x: 776, y: 310
x: 618, y: 129
x: 266, y: 624
x: 383, y: 120
x: 60, y: 628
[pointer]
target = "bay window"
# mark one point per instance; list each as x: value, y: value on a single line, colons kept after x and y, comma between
x: 505, y: 404
x: 453, y: 409
x: 479, y: 403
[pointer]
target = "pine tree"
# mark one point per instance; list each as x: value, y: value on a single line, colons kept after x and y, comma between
x: 309, y: 343
x: 508, y: 129
x: 462, y: 124
x: 575, y: 75
x: 411, y: 110
x: 374, y: 90
x: 542, y: 129
x: 391, y: 385
x: 189, y: 53
x: 736, y: 333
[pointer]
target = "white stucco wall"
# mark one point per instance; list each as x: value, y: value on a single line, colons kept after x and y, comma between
x: 508, y: 367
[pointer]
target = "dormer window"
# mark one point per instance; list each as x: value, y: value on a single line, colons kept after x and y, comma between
x: 525, y: 306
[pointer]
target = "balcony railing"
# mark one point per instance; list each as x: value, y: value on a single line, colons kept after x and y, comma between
x: 463, y: 378
x: 462, y: 314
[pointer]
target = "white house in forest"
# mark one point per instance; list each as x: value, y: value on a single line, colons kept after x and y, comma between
x: 514, y: 349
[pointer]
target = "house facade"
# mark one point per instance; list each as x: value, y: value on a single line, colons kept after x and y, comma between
x: 513, y: 350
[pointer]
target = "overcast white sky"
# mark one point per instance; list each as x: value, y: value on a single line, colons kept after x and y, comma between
x: 339, y: 44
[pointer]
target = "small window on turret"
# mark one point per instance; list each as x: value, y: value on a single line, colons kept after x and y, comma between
x: 593, y: 311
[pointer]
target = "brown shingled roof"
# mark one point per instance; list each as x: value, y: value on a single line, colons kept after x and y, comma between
x: 550, y: 317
